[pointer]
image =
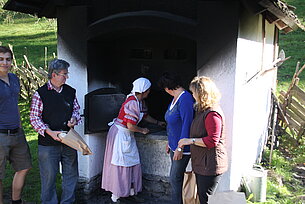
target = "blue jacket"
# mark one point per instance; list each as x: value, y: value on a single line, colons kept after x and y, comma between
x: 179, y: 120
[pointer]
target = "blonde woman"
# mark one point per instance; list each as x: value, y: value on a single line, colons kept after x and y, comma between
x: 207, y: 138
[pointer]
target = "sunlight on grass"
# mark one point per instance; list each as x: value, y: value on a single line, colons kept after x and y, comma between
x: 29, y: 36
x: 293, y: 44
x: 282, y: 187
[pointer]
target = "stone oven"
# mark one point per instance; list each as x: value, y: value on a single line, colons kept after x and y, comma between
x: 129, y: 41
x: 124, y: 55
x: 109, y: 43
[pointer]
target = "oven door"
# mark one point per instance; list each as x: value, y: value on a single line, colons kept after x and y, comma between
x: 101, y: 107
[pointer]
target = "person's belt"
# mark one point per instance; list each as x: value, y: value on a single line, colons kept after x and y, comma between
x: 9, y: 131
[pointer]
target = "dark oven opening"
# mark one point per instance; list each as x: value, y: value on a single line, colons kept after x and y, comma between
x: 117, y: 59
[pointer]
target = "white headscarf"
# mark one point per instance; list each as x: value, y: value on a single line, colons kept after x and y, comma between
x: 140, y: 85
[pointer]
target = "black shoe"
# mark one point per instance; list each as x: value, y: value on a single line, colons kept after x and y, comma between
x: 117, y: 202
x: 135, y: 199
x: 22, y: 202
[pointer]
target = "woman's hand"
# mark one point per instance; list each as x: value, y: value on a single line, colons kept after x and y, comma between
x: 177, y: 155
x: 144, y: 131
x: 184, y: 141
x: 167, y: 149
x: 161, y: 123
x: 135, y: 128
x: 152, y: 120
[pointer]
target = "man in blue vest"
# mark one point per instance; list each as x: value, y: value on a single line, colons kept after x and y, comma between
x: 55, y: 109
x: 13, y: 145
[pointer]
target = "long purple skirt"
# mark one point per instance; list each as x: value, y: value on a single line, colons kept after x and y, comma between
x: 119, y: 179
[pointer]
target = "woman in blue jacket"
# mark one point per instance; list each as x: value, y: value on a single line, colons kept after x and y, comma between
x: 179, y: 117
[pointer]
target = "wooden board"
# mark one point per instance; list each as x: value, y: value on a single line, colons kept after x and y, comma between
x: 293, y: 116
x: 293, y: 124
x: 298, y: 94
x: 296, y: 104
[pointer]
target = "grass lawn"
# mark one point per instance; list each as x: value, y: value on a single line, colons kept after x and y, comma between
x: 30, y: 36
x: 293, y: 44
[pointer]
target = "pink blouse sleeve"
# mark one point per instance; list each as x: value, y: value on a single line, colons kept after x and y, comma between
x: 213, y: 125
x: 132, y: 112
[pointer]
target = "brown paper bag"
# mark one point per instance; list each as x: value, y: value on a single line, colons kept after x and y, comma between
x: 74, y: 140
x: 189, y: 189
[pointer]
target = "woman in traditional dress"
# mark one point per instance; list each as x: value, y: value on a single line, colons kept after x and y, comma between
x: 122, y: 174
x: 207, y: 138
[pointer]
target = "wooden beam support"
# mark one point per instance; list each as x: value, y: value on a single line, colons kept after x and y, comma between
x: 299, y: 94
x: 271, y: 18
x: 288, y: 18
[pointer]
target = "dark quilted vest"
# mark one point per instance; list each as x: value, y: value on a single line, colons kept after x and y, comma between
x: 206, y: 161
x: 57, y: 111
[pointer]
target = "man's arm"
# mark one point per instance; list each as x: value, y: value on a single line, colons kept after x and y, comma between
x: 36, y: 114
x: 75, y: 119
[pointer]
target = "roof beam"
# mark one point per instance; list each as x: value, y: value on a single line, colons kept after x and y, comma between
x: 289, y: 20
x: 41, y: 8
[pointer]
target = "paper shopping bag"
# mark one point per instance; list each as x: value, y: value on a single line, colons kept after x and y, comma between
x: 74, y: 140
x: 189, y: 190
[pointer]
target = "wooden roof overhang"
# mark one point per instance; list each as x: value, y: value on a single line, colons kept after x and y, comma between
x: 41, y: 8
x: 282, y: 15
x: 276, y: 11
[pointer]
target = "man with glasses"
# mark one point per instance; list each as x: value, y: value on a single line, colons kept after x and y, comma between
x: 55, y: 109
x: 13, y: 146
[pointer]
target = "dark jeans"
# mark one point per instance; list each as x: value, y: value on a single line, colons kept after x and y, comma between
x: 176, y: 177
x: 49, y: 158
x: 206, y: 186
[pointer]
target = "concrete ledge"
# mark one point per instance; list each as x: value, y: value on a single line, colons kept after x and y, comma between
x: 87, y: 186
x: 152, y: 149
x: 158, y: 186
x: 155, y: 167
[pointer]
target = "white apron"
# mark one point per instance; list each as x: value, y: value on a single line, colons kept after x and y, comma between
x: 125, y: 151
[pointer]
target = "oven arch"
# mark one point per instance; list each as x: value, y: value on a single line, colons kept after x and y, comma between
x: 144, y: 20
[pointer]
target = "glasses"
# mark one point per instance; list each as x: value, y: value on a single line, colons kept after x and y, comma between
x: 63, y: 74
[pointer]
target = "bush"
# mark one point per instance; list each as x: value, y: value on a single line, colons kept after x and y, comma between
x: 9, y: 16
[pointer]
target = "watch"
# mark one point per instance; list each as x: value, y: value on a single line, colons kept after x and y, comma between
x: 193, y: 140
x: 179, y: 149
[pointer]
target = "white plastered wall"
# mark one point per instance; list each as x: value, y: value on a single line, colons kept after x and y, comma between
x: 252, y: 95
x: 72, y: 47
x: 245, y: 102
x: 221, y: 69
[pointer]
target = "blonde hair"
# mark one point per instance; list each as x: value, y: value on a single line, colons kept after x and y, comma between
x: 206, y: 91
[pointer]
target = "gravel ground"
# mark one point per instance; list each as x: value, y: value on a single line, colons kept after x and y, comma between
x: 103, y: 197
